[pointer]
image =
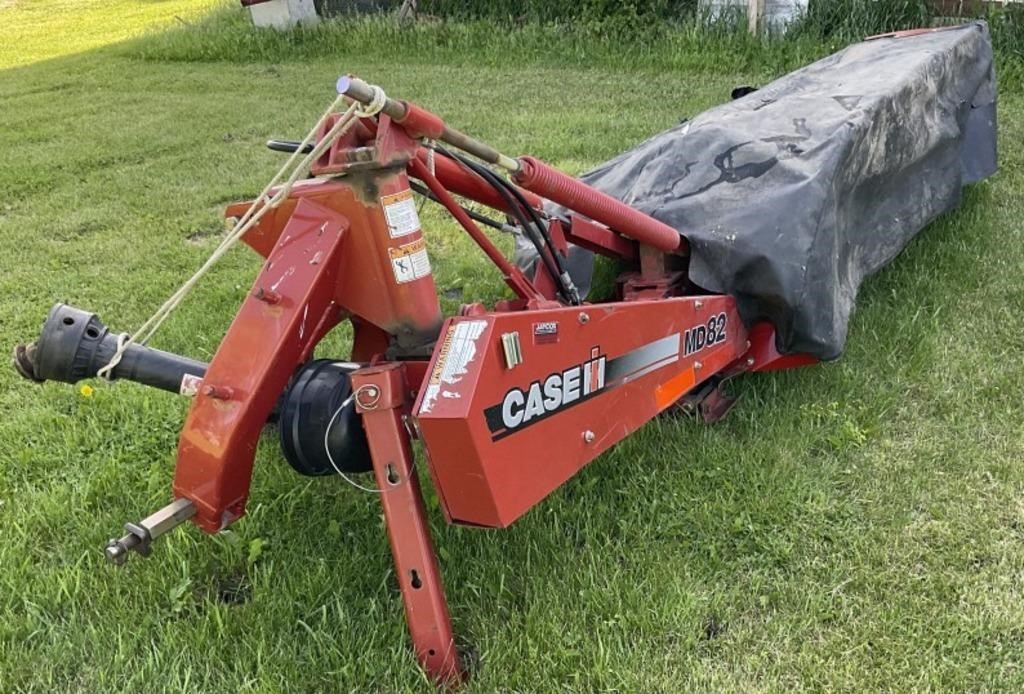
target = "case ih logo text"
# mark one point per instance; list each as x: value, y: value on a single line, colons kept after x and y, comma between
x: 553, y: 393
x: 523, y: 407
x: 697, y: 338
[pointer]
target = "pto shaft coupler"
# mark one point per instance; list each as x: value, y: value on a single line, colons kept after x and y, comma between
x: 139, y: 536
x: 75, y: 344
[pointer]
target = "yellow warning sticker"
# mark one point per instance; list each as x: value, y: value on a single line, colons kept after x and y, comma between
x: 410, y: 262
x: 400, y: 213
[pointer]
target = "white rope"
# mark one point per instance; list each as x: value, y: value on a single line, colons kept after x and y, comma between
x: 430, y: 156
x: 122, y: 343
x: 260, y: 206
x: 376, y: 105
x: 327, y: 448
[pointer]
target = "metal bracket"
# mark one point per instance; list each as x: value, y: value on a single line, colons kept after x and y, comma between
x: 709, y: 402
x: 139, y: 536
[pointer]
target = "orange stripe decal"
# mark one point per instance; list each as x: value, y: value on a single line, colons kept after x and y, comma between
x: 674, y: 388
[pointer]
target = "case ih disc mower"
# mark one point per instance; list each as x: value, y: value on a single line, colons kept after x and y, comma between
x: 510, y: 402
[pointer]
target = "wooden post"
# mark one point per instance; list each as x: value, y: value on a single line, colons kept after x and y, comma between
x: 407, y: 12
x: 755, y: 12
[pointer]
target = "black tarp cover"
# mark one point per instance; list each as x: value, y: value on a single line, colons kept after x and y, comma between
x: 792, y: 195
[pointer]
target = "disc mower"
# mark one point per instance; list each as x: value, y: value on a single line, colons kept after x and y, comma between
x: 509, y: 401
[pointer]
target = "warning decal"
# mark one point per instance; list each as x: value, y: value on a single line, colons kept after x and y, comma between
x: 410, y: 262
x: 458, y: 350
x: 400, y: 213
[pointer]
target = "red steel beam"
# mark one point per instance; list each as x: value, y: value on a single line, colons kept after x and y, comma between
x: 381, y: 398
x: 464, y: 182
x: 265, y: 343
x: 514, y: 277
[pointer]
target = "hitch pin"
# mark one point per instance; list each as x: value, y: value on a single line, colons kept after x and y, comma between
x: 139, y: 536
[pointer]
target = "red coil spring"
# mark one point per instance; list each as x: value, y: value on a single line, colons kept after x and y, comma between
x: 538, y: 177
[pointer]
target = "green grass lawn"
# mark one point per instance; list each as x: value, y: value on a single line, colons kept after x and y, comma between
x: 856, y: 526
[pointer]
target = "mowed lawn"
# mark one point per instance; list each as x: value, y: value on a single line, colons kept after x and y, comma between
x: 856, y: 526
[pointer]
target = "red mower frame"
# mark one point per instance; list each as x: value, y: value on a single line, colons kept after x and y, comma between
x: 509, y: 402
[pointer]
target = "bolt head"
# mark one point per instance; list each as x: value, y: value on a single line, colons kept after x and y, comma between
x: 583, y: 318
x: 588, y: 436
x: 218, y: 392
x: 697, y: 366
x: 115, y: 553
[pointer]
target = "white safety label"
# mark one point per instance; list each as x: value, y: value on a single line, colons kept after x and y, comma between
x: 400, y: 213
x: 410, y: 262
x: 458, y: 350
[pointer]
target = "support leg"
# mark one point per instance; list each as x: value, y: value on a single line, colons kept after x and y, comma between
x: 380, y: 397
